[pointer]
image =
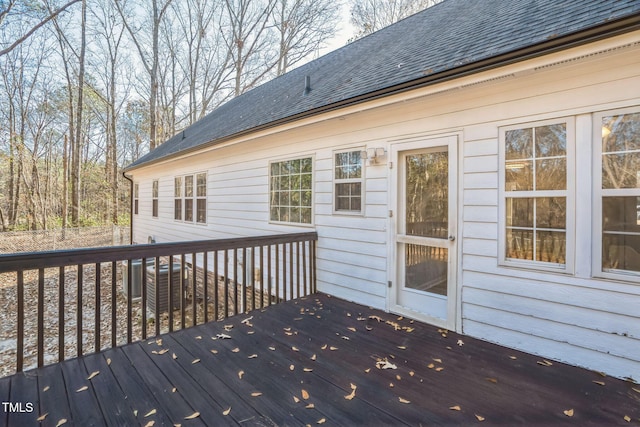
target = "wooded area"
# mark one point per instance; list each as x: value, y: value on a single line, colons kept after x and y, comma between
x: 88, y: 87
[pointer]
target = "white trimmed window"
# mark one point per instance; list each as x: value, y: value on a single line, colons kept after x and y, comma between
x: 154, y: 199
x: 290, y: 191
x: 348, y: 182
x: 136, y: 198
x: 190, y: 198
x: 617, y: 194
x: 536, y: 195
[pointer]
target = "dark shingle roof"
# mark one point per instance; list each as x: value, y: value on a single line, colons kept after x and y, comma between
x: 449, y: 38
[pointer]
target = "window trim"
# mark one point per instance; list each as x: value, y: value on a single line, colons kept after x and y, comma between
x: 570, y: 191
x: 155, y: 193
x: 313, y: 191
x: 336, y: 181
x: 598, y: 193
x: 193, y: 198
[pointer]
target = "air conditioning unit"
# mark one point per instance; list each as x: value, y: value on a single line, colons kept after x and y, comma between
x: 163, y: 287
x: 136, y: 276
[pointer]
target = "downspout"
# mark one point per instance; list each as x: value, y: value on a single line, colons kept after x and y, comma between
x: 124, y: 174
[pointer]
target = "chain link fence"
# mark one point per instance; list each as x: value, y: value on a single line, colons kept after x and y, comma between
x: 63, y: 238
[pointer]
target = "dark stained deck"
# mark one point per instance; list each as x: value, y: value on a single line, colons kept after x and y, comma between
x: 310, y: 362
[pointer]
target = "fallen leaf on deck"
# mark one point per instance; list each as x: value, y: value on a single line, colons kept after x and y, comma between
x: 598, y: 382
x: 83, y: 388
x: 439, y: 369
x: 288, y: 334
x: 256, y: 394
x: 512, y: 357
x: 214, y: 351
x: 294, y: 348
x: 247, y: 320
x: 460, y: 343
x: 223, y: 337
x: 192, y: 416
x: 159, y: 341
x: 391, y: 385
x: 310, y: 406
x: 272, y: 348
x: 322, y: 420
x: 195, y: 361
x: 292, y: 367
x: 253, y: 356
x: 431, y: 366
x: 150, y: 424
x: 235, y: 350
x: 437, y: 360
x: 308, y: 370
x: 174, y: 356
x: 228, y: 327
x: 227, y: 411
x: 313, y: 357
x: 251, y: 332
x: 627, y: 418
x: 61, y: 422
x: 108, y: 361
x: 296, y: 399
x: 385, y: 364
x: 376, y: 318
x: 173, y: 390
x: 635, y: 389
x: 568, y: 412
x: 333, y: 348
x: 199, y: 337
x: 455, y: 408
x: 324, y: 347
x: 166, y: 350
x: 361, y: 319
x: 135, y: 412
x: 305, y: 394
x: 479, y: 417
x: 367, y: 370
x: 402, y: 347
x: 352, y: 329
x: 368, y: 328
x: 151, y: 412
x: 544, y: 363
x: 411, y: 373
x: 42, y: 417
x: 492, y: 380
x: 403, y: 400
x: 240, y: 374
x: 45, y: 389
x: 93, y: 375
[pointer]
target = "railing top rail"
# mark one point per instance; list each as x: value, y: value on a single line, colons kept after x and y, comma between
x: 48, y: 259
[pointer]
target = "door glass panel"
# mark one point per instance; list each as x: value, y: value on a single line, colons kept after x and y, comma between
x: 427, y: 194
x: 426, y: 268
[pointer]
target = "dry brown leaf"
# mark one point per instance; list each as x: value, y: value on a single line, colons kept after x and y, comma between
x: 368, y: 328
x: 479, y: 417
x: 352, y: 329
x: 439, y: 368
x: 253, y: 356
x: 437, y: 360
x: 235, y: 350
x: 398, y: 377
x: 512, y: 357
x: 227, y: 411
x: 46, y: 388
x: 151, y: 412
x: 214, y: 351
x: 192, y: 416
x: 305, y: 394
x: 173, y: 390
x: 391, y: 385
x: 411, y: 373
x: 627, y: 418
x: 199, y: 337
x: 135, y: 411
x: 150, y: 424
x: 42, y: 417
x: 296, y: 399
x: 431, y: 366
x: 314, y: 357
x: 455, y: 408
x: 322, y: 420
x: 93, y: 375
x: 598, y: 382
x: 228, y: 327
x: 159, y: 342
x: 492, y: 380
x: 402, y: 347
x: 367, y: 370
x: 385, y: 364
x: 256, y: 394
x: 292, y: 367
x: 333, y: 348
x: 376, y: 318
x: 308, y: 370
x: 83, y: 388
x: 568, y: 412
x: 324, y: 347
x: 294, y: 348
x: 635, y: 389
x: 163, y: 351
x: 350, y: 395
x: 195, y: 361
x: 174, y: 356
x: 460, y: 343
x: 177, y: 425
x: 272, y: 348
x: 544, y: 363
x: 61, y: 422
x: 402, y: 400
x: 240, y: 374
x: 288, y: 334
x: 310, y: 406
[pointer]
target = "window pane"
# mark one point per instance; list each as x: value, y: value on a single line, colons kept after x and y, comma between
x: 188, y: 210
x: 621, y: 214
x: 551, y: 246
x: 188, y: 186
x: 519, y: 144
x: 519, y: 244
x: 306, y: 165
x: 305, y: 215
x: 621, y: 133
x: 551, y: 174
x: 621, y: 170
x: 135, y: 206
x: 177, y: 187
x: 621, y: 252
x: 202, y: 185
x: 342, y: 159
x: 154, y: 208
x: 551, y: 140
x: 136, y: 191
x: 288, y: 190
x: 306, y: 182
x: 426, y: 268
x: 519, y: 212
x: 154, y: 190
x: 427, y: 194
x: 201, y: 214
x: 306, y: 198
x: 519, y: 176
x: 273, y: 216
x: 177, y: 209
x: 551, y: 212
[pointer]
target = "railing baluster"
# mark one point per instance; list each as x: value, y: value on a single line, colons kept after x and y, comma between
x: 170, y: 286
x: 235, y: 281
x: 313, y: 270
x: 205, y: 285
x: 183, y: 301
x: 243, y: 308
x: 40, y: 317
x: 269, y: 274
x: 304, y: 267
x: 261, y: 277
x: 129, y: 298
x: 97, y: 308
x: 60, y: 314
x: 20, y: 326
x: 143, y: 296
x: 194, y: 272
x: 226, y: 283
x: 114, y: 303
x: 277, y: 273
x: 79, y: 317
x: 156, y: 287
x: 216, y: 286
x: 298, y: 268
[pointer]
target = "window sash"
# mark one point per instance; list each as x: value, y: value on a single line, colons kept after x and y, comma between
x: 348, y: 182
x: 290, y: 190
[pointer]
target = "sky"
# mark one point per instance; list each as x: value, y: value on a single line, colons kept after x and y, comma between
x: 345, y: 32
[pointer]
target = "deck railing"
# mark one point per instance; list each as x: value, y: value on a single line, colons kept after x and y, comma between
x: 196, y: 282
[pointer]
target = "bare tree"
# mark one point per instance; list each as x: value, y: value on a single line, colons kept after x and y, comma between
x: 369, y: 16
x: 302, y: 27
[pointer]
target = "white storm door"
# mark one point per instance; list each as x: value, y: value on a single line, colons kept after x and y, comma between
x: 425, y: 230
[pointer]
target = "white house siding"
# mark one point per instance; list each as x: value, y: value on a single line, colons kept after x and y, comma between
x: 569, y: 317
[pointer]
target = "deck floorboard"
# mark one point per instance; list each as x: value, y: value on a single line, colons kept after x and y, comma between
x: 316, y: 361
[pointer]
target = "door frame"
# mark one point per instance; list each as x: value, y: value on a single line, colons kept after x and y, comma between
x: 452, y: 140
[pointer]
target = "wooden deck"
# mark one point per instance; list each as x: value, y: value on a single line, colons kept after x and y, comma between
x: 316, y: 361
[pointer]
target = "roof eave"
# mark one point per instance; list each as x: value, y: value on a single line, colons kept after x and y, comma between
x: 606, y: 30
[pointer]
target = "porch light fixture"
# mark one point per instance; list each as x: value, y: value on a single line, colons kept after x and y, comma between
x: 373, y: 155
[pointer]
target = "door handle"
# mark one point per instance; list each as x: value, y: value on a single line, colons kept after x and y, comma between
x: 452, y: 237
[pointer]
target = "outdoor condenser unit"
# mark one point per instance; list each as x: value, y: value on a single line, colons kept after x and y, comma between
x: 136, y: 276
x: 163, y: 287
